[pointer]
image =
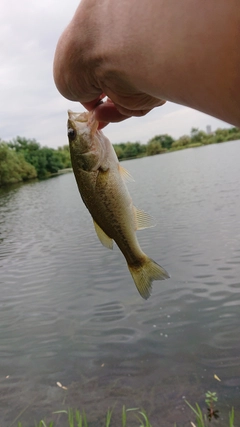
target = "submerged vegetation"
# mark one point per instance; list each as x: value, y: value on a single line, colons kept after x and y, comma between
x: 22, y: 159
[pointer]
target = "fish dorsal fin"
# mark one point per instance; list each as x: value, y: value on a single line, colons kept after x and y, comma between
x: 143, y: 219
x: 125, y: 174
x: 103, y: 237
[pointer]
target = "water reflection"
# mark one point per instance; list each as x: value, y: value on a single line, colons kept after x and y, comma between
x: 70, y: 311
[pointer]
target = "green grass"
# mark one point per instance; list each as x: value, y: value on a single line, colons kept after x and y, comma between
x: 201, y: 418
x: 75, y: 418
x: 40, y: 424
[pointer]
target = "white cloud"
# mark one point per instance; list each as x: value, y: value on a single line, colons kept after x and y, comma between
x: 30, y: 104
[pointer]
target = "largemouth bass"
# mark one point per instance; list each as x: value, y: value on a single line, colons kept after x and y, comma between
x: 101, y: 182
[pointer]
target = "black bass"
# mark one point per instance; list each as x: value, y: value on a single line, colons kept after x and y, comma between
x: 100, y: 179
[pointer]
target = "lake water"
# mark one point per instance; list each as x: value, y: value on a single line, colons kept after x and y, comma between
x: 70, y: 312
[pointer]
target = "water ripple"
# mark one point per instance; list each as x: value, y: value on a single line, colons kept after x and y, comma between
x: 70, y: 312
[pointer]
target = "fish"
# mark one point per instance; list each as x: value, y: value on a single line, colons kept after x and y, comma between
x: 102, y: 185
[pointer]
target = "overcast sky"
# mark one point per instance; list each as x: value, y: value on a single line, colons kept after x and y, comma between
x: 30, y: 105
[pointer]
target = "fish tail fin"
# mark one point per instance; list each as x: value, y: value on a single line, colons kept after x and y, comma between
x: 144, y: 275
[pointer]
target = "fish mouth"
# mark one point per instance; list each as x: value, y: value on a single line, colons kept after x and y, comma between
x: 86, y: 117
x: 77, y: 117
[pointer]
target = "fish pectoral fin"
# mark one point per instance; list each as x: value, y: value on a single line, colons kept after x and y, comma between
x: 125, y: 174
x: 143, y: 219
x: 103, y: 237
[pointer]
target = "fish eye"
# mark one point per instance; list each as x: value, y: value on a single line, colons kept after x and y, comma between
x: 71, y: 133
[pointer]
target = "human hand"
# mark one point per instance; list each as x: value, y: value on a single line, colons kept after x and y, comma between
x: 108, y: 112
x: 140, y: 53
x: 84, y: 70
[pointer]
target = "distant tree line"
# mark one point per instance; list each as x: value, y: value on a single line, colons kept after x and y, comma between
x: 157, y: 145
x: 164, y: 143
x: 22, y: 159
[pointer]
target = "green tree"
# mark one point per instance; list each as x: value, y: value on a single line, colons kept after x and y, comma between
x: 130, y: 150
x: 198, y: 135
x: 165, y: 140
x: 119, y: 151
x: 64, y: 154
x: 13, y: 166
x: 45, y: 160
x: 182, y: 142
x: 53, y: 160
x: 154, y: 147
x: 234, y: 131
x: 32, y: 153
x: 221, y: 135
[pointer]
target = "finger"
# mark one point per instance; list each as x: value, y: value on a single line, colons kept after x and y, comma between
x: 116, y: 120
x: 110, y: 112
x: 128, y: 100
x: 107, y: 112
x: 138, y: 112
x: 93, y: 104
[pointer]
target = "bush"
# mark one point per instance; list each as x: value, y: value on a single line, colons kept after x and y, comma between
x: 13, y: 166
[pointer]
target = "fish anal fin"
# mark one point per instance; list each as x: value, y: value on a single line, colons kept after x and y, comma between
x: 103, y: 237
x: 144, y: 275
x: 143, y: 219
x: 125, y: 174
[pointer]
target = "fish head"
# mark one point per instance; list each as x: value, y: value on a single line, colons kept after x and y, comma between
x: 85, y: 140
x: 81, y: 131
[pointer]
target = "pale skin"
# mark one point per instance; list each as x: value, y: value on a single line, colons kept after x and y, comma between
x: 141, y: 53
